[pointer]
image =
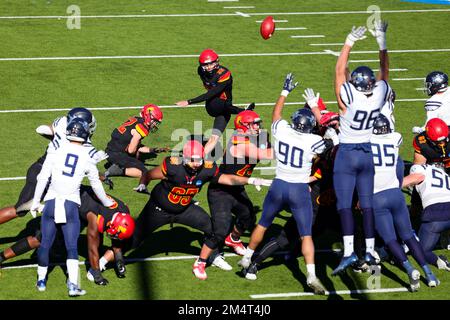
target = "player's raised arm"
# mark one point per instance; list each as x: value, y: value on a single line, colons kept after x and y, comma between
x: 380, y: 35
x: 288, y: 86
x: 341, y: 65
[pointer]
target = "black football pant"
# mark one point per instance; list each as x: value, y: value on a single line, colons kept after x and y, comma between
x: 221, y: 110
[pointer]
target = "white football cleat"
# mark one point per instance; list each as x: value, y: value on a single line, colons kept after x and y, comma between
x: 220, y: 263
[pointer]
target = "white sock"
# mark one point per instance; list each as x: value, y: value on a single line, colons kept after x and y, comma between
x: 311, y: 269
x: 42, y: 272
x: 248, y: 252
x: 72, y: 270
x: 102, y: 263
x: 348, y: 245
x: 370, y: 245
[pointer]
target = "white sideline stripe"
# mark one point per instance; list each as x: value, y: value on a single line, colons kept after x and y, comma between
x: 240, y: 7
x: 363, y: 60
x: 293, y: 28
x: 172, y: 106
x: 310, y: 36
x: 326, y: 44
x: 223, y: 55
x: 242, y: 14
x: 219, y: 14
x: 333, y: 53
x: 223, y: 0
x: 407, y: 79
x: 12, y: 178
x: 300, y: 294
x: 259, y: 21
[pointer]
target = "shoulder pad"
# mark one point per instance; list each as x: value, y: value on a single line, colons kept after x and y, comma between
x: 208, y: 164
x: 175, y: 160
x: 224, y: 77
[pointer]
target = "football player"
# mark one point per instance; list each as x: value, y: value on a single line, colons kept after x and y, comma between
x: 295, y: 147
x: 433, y: 185
x: 125, y: 145
x: 99, y: 220
x: 66, y: 167
x: 57, y: 134
x: 438, y: 105
x: 246, y: 147
x: 390, y: 210
x: 218, y: 80
x: 171, y: 199
x: 359, y: 100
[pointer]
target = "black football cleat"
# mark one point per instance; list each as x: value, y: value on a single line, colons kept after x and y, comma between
x: 251, y: 106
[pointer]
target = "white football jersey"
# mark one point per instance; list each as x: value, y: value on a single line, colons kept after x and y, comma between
x: 388, y: 111
x: 438, y: 106
x: 357, y: 122
x: 59, y: 127
x: 436, y: 186
x: 385, y: 154
x: 294, y: 152
x: 67, y: 167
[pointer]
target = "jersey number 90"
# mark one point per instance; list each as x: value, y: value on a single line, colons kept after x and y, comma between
x: 290, y: 155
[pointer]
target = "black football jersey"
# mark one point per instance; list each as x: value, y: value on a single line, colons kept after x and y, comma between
x: 218, y: 84
x: 432, y: 152
x: 90, y: 202
x: 121, y: 136
x: 175, y: 193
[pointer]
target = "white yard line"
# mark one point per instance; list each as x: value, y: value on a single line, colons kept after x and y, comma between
x: 173, y: 106
x: 223, y: 14
x: 326, y: 44
x: 310, y: 36
x: 276, y: 21
x: 178, y: 56
x: 339, y: 292
x: 240, y: 7
x: 354, y: 61
x: 398, y: 69
x: 333, y: 53
x: 407, y: 79
x: 242, y: 14
x: 223, y: 0
x: 293, y: 28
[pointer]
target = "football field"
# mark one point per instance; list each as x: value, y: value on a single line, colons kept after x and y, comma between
x: 115, y: 56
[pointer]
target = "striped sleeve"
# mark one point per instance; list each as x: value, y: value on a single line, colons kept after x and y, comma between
x: 279, y: 125
x: 318, y: 147
x: 432, y: 105
x: 346, y: 94
x: 92, y: 152
x: 226, y: 76
x: 142, y: 130
x: 399, y: 141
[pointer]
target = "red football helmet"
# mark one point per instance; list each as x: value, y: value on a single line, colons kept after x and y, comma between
x: 193, y: 154
x: 209, y: 60
x: 152, y: 115
x: 121, y: 226
x: 245, y: 119
x: 436, y: 130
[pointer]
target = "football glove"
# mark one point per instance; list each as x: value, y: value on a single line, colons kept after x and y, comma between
x: 100, y: 155
x: 331, y: 134
x: 288, y: 85
x: 311, y: 99
x: 119, y: 265
x: 355, y: 35
x: 418, y: 130
x: 258, y: 182
x: 380, y: 33
x: 142, y: 188
x: 36, y: 208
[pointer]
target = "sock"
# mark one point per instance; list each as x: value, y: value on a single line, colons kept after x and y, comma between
x: 348, y: 245
x: 234, y: 237
x: 248, y: 252
x: 370, y: 245
x: 311, y: 269
x: 202, y: 260
x: 102, y: 263
x: 72, y: 270
x: 416, y: 250
x: 408, y: 266
x: 427, y: 270
x: 42, y: 272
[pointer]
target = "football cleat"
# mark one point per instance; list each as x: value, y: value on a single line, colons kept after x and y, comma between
x: 442, y: 263
x: 198, y: 269
x: 432, y: 281
x: 108, y: 182
x: 74, y: 291
x: 96, y: 277
x: 220, y: 263
x: 250, y: 272
x: 361, y: 266
x: 370, y: 259
x: 345, y: 263
x: 251, y: 106
x: 119, y: 267
x: 237, y: 246
x: 314, y: 283
x: 245, y: 262
x: 41, y: 285
x: 414, y: 280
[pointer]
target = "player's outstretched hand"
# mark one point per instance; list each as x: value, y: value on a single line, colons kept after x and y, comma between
x: 258, y: 182
x: 380, y: 33
x: 356, y: 35
x: 288, y: 85
x: 36, y: 208
x: 183, y: 103
x: 311, y: 99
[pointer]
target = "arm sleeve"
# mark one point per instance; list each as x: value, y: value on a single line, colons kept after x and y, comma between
x: 97, y: 186
x: 210, y: 93
x: 278, y: 126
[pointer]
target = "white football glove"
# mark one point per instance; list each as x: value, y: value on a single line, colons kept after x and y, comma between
x: 380, y: 33
x: 331, y: 134
x: 142, y: 188
x: 418, y: 130
x: 311, y: 99
x: 258, y: 182
x: 100, y: 155
x: 355, y: 35
x: 36, y: 208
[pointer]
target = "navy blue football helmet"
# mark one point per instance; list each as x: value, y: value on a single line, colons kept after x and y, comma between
x: 303, y: 120
x: 77, y: 130
x: 84, y: 114
x: 363, y: 79
x: 436, y: 81
x: 381, y: 125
